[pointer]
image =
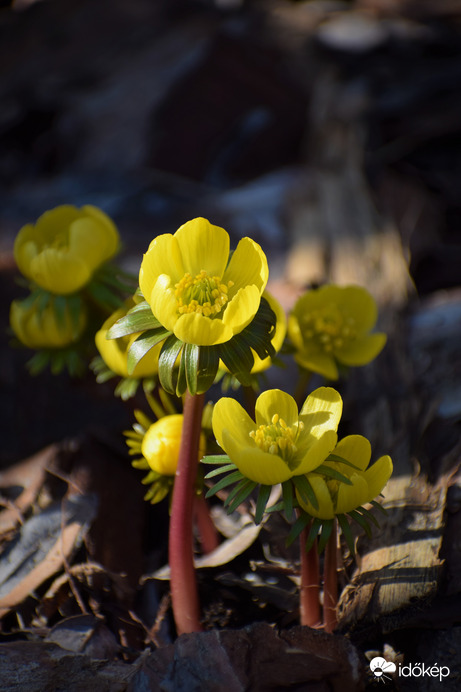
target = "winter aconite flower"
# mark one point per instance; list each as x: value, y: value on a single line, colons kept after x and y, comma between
x: 62, y: 251
x: 45, y: 327
x: 158, y: 445
x: 280, y: 443
x: 331, y: 325
x: 367, y: 482
x: 196, y: 289
x: 114, y: 352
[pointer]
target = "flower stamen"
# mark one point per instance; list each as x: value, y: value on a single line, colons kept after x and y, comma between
x: 277, y: 437
x: 203, y: 294
x: 329, y: 328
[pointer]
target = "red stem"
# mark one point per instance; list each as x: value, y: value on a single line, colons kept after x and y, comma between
x: 207, y: 533
x: 310, y: 583
x: 330, y: 583
x: 184, y: 594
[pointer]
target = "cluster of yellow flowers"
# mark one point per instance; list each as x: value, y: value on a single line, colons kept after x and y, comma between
x: 204, y: 296
x: 60, y: 256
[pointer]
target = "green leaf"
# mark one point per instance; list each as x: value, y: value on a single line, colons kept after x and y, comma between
x: 166, y: 363
x: 127, y: 388
x: 313, y: 534
x: 222, y: 469
x: 143, y: 345
x: 224, y: 482
x: 131, y: 323
x: 275, y: 508
x: 190, y: 355
x: 207, y: 367
x: 333, y: 473
x: 238, y: 359
x: 361, y: 521
x: 306, y: 490
x: 341, y: 460
x: 379, y: 506
x: 38, y: 362
x: 215, y: 459
x: 347, y: 533
x: 300, y: 524
x: 181, y: 383
x: 263, y: 497
x: 368, y: 515
x: 327, y: 528
x: 287, y: 495
x: 239, y: 494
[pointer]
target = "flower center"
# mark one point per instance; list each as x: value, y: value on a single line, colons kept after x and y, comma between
x: 277, y: 438
x: 329, y: 328
x: 60, y: 241
x: 204, y: 294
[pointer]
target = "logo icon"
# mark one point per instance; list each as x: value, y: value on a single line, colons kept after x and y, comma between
x: 380, y: 668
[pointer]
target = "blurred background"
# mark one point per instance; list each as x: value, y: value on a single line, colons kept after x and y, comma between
x: 330, y: 132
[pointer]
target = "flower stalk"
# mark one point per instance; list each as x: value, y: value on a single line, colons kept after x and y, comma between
x: 206, y: 529
x: 184, y: 594
x: 310, y: 583
x: 330, y: 583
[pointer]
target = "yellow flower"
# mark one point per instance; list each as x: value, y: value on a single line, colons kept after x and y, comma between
x: 331, y: 324
x: 159, y: 443
x: 61, y: 252
x: 195, y: 290
x: 336, y: 497
x: 282, y: 443
x: 114, y: 352
x: 45, y: 328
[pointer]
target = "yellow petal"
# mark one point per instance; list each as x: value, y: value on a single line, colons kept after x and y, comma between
x: 229, y: 415
x: 353, y: 448
x: 242, y: 308
x: 316, y: 360
x: 111, y: 353
x: 351, y: 496
x: 162, y: 257
x: 363, y: 350
x: 275, y: 401
x: 294, y: 331
x: 194, y: 328
x: 41, y: 329
x: 357, y: 302
x: 320, y: 488
x: 87, y: 240
x: 315, y: 451
x: 59, y: 272
x: 148, y: 365
x: 25, y: 249
x: 55, y: 222
x: 203, y: 246
x: 248, y: 266
x: 258, y: 466
x: 377, y: 476
x: 163, y: 302
x: 161, y: 444
x: 322, y: 411
x: 111, y: 233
